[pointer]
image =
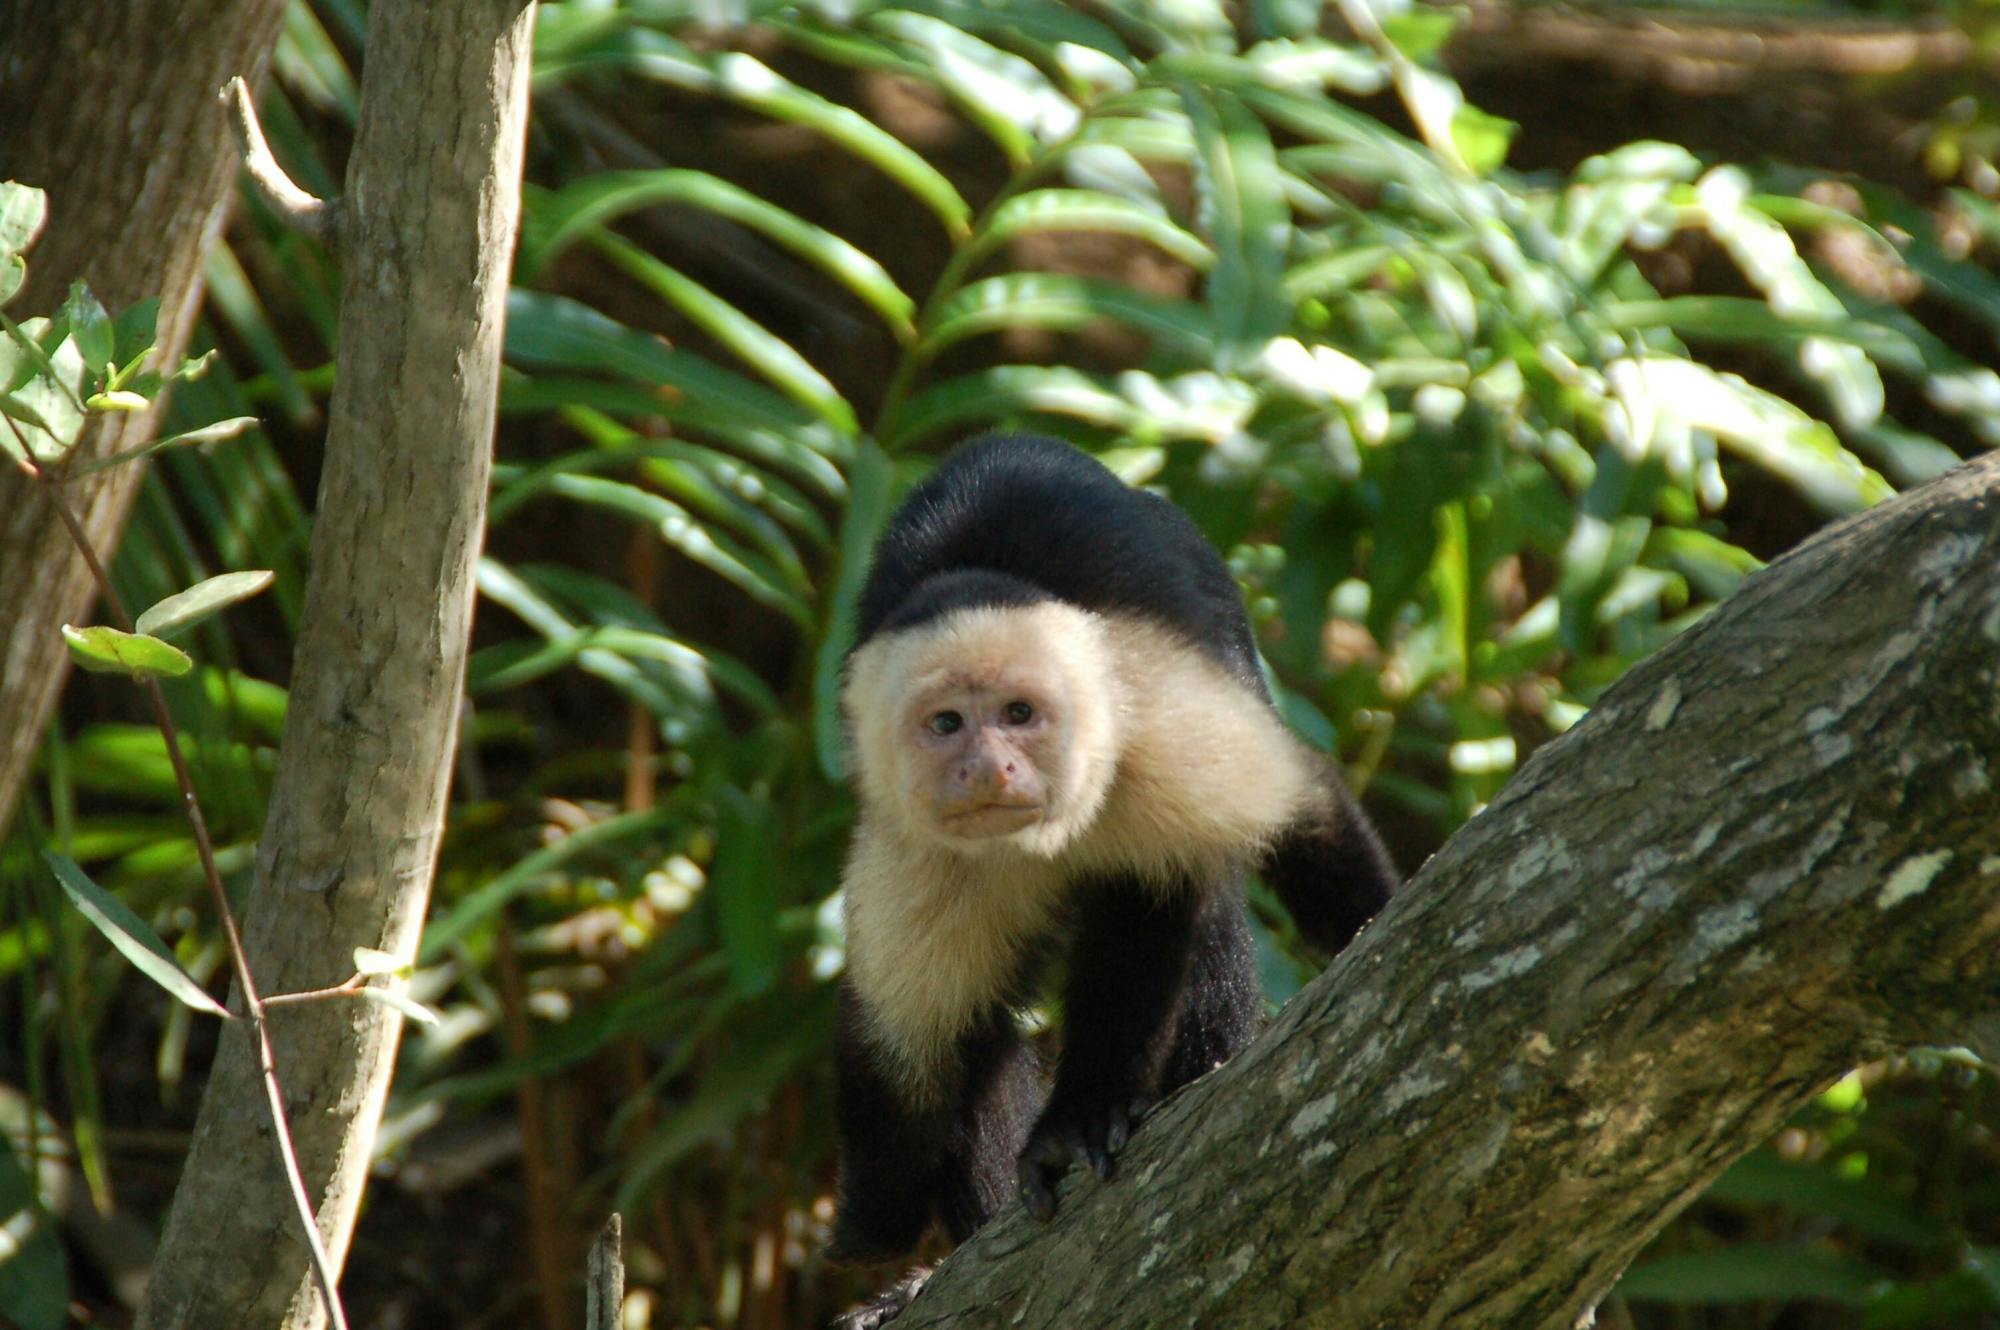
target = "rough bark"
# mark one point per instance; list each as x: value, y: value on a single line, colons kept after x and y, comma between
x: 351, y: 840
x: 109, y: 105
x: 1773, y: 850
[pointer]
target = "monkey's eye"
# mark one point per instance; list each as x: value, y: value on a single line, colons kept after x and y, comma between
x: 945, y: 722
x: 1018, y: 713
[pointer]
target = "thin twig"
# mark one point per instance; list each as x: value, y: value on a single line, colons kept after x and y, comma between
x: 347, y: 987
x: 299, y: 208
x: 239, y: 960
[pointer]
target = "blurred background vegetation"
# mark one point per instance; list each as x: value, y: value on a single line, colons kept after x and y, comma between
x: 1492, y: 344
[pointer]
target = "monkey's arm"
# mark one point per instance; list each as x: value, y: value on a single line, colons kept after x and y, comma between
x: 1330, y: 867
x: 891, y: 1156
x: 1127, y: 967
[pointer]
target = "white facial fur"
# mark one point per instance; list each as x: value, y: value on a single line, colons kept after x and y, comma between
x: 1156, y: 762
x: 974, y: 664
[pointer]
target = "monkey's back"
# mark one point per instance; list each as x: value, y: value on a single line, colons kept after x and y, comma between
x: 1008, y: 518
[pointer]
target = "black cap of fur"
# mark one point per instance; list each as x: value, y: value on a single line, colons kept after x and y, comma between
x: 1038, y: 519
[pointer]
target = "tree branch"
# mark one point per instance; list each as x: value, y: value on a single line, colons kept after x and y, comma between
x: 1771, y: 851
x: 299, y: 208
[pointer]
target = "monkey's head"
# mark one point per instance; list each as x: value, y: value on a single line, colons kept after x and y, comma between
x: 989, y: 725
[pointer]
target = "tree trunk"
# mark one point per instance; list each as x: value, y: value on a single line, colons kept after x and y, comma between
x: 1772, y: 851
x: 347, y: 852
x: 110, y: 106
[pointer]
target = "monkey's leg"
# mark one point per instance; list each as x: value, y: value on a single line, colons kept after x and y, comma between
x: 892, y: 1154
x: 1003, y: 1093
x: 1126, y: 970
x: 1331, y: 869
x: 1222, y: 1003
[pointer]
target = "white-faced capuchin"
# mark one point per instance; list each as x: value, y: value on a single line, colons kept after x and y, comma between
x: 1063, y: 747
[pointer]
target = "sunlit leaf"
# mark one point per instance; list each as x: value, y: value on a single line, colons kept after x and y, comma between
x: 1065, y: 303
x: 180, y: 612
x: 1088, y: 210
x: 745, y: 883
x: 401, y: 1002
x: 106, y: 650
x: 134, y: 938
x: 1750, y: 1273
x: 481, y: 904
x: 34, y: 1286
x: 1012, y: 102
x: 561, y: 218
x: 871, y: 479
x: 748, y: 81
x: 23, y: 209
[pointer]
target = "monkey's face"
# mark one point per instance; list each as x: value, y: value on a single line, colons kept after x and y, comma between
x: 978, y: 749
x: 991, y: 726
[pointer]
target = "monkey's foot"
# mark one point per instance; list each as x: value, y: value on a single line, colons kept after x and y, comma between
x: 887, y: 1305
x: 1081, y: 1134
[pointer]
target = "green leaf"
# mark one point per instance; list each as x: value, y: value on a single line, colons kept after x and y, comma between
x: 746, y: 889
x: 751, y: 572
x: 34, y: 1286
x: 871, y: 481
x: 105, y: 650
x: 396, y: 1000
x: 23, y: 209
x: 373, y: 961
x: 766, y: 1046
x: 1482, y: 139
x: 133, y: 937
x: 559, y: 219
x: 992, y: 395
x: 1243, y: 206
x: 1606, y: 540
x: 749, y: 82
x: 1814, y: 1189
x: 177, y: 613
x: 90, y: 326
x: 1012, y: 102
x: 1751, y: 1273
x: 221, y: 429
x: 524, y: 875
x: 136, y: 330
x: 1064, y: 303
x: 567, y: 334
x: 1086, y: 210
x: 1757, y: 425
x: 44, y: 389
x: 764, y: 351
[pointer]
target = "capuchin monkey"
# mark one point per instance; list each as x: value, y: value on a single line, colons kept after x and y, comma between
x: 1063, y: 749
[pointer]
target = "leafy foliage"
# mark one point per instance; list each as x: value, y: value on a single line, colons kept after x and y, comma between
x: 1468, y: 453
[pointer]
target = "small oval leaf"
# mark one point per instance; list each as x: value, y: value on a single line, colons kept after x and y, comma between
x: 371, y: 961
x: 133, y: 937
x: 186, y: 608
x: 409, y: 1006
x: 109, y: 651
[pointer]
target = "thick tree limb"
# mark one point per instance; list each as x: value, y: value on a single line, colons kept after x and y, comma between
x: 1772, y: 851
x: 357, y: 806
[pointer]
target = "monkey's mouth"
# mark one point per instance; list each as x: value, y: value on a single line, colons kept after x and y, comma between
x: 991, y: 819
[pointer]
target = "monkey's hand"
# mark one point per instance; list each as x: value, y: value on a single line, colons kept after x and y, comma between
x: 1074, y: 1132
x: 887, y: 1305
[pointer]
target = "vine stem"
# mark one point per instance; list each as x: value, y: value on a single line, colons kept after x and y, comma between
x: 239, y: 960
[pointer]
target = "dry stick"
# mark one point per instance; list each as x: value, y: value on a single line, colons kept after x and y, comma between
x: 322, y: 1262
x: 298, y: 208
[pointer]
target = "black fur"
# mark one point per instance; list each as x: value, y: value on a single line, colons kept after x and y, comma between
x: 1162, y: 987
x: 1039, y: 512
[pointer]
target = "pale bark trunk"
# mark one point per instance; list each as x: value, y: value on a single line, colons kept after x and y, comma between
x: 347, y: 853
x: 1772, y: 851
x: 110, y: 106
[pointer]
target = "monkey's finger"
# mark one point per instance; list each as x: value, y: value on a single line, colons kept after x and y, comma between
x: 1036, y: 1194
x: 1097, y: 1153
